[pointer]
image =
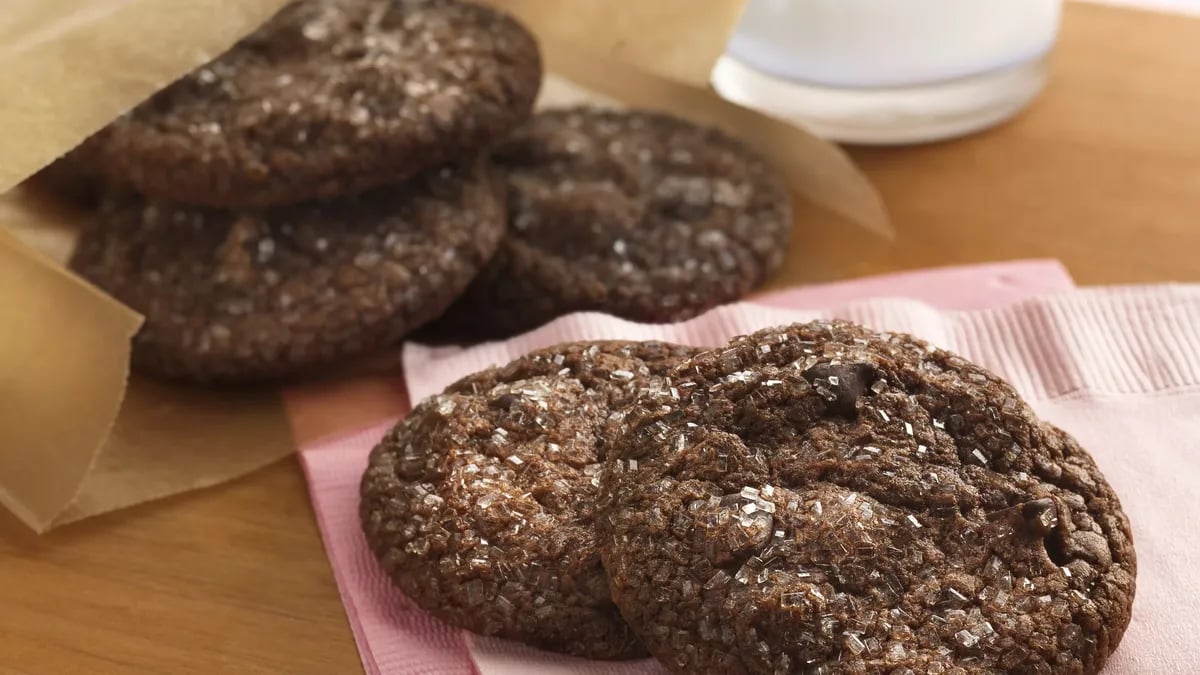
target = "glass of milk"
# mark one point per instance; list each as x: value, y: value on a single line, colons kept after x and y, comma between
x: 889, y: 71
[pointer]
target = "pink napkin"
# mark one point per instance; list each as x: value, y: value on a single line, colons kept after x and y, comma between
x: 961, y: 287
x: 1119, y: 368
x: 394, y: 637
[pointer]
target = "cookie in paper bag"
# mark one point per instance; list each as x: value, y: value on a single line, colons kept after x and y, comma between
x: 275, y: 293
x: 328, y: 98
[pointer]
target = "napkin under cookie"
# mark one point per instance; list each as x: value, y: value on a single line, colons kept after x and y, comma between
x: 393, y: 636
x: 1119, y: 368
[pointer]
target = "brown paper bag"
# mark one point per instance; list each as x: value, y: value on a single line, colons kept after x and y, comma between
x: 75, y: 438
x: 79, y: 437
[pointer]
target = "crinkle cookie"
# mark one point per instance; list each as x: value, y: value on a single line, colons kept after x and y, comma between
x: 329, y: 98
x: 275, y: 293
x: 637, y: 214
x: 821, y: 498
x: 479, y: 504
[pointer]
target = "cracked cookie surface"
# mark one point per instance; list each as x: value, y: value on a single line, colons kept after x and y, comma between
x: 274, y: 293
x: 329, y: 98
x: 479, y: 504
x: 637, y: 214
x: 821, y: 498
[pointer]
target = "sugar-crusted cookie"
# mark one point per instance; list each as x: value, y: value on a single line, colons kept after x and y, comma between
x: 637, y: 214
x: 821, y: 498
x: 479, y: 503
x: 330, y: 97
x: 262, y: 294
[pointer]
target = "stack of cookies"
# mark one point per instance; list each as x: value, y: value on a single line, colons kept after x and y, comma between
x: 358, y: 169
x: 815, y: 498
x: 314, y: 193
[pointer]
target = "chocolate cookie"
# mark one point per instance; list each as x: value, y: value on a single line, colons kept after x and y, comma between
x: 824, y: 499
x: 253, y: 295
x: 636, y: 214
x: 479, y: 504
x: 330, y: 97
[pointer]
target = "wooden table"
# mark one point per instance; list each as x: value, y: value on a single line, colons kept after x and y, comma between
x: 1102, y: 173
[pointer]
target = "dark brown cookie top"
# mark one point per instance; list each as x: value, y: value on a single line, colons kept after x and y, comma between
x: 821, y: 498
x: 249, y: 295
x: 637, y: 214
x: 330, y: 97
x: 479, y: 504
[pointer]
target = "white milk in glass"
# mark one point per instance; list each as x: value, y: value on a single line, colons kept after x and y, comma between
x: 889, y: 71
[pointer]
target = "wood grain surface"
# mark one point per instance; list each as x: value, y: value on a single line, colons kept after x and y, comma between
x: 1103, y: 173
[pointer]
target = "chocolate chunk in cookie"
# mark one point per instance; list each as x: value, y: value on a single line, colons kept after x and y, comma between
x: 252, y: 295
x: 821, y: 498
x: 328, y: 98
x: 479, y: 504
x: 636, y: 214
